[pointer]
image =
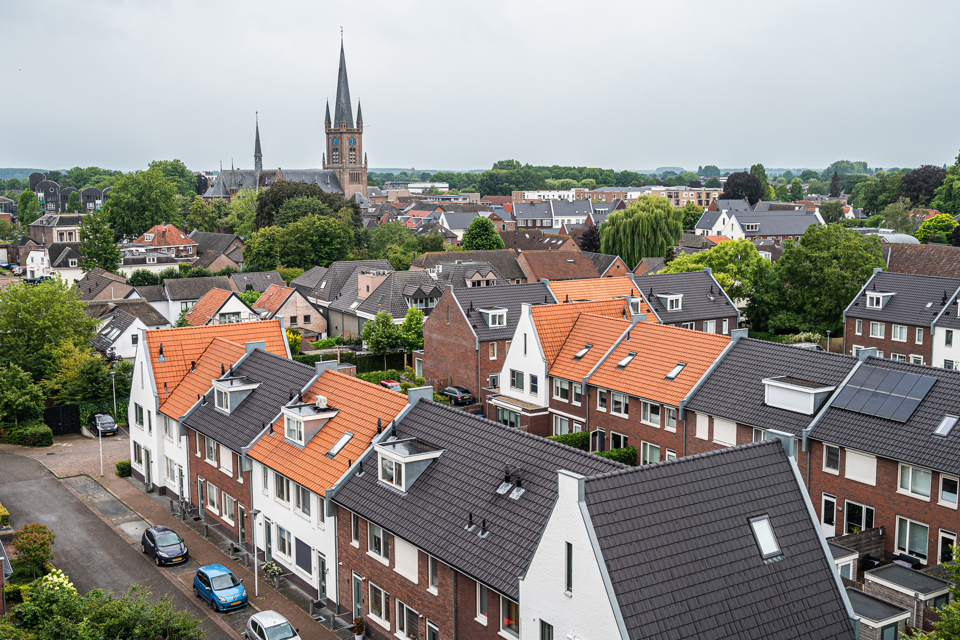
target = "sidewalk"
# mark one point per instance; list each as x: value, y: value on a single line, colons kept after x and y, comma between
x: 205, y: 552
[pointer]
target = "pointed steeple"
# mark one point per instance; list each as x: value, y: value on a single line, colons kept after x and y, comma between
x: 257, y: 155
x: 359, y: 114
x: 342, y: 110
x: 327, y: 119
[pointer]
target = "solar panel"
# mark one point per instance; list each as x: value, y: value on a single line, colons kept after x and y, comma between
x: 889, y: 406
x: 893, y: 395
x: 861, y: 376
x: 875, y: 378
x: 860, y: 399
x: 906, y: 409
x: 922, y: 387
x: 843, y: 398
x: 889, y: 382
x: 873, y: 404
x: 908, y: 382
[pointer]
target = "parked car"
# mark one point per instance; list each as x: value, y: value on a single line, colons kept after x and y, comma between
x: 165, y: 545
x: 270, y: 625
x: 104, y: 423
x: 393, y: 385
x: 458, y: 395
x: 19, y: 271
x: 217, y: 585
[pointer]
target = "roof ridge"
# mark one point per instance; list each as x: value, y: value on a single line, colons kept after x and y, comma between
x: 793, y: 346
x: 916, y: 275
x: 199, y: 357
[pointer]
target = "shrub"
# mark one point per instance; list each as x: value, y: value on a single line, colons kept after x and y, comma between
x: 33, y: 543
x: 123, y: 468
x: 4, y: 517
x: 441, y: 399
x: 30, y: 434
x: 289, y: 274
x: 627, y: 455
x: 579, y: 440
x: 327, y: 343
x: 376, y: 377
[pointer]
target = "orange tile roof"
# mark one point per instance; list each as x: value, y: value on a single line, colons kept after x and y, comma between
x: 719, y: 239
x: 659, y: 348
x: 554, y: 321
x: 182, y: 345
x: 197, y: 382
x: 593, y: 288
x: 360, y: 404
x: 598, y: 331
x: 165, y: 235
x: 207, y: 306
x: 273, y: 298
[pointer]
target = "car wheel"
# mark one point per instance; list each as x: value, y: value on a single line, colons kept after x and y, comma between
x: 157, y: 560
x: 143, y: 548
x: 195, y: 591
x: 213, y: 605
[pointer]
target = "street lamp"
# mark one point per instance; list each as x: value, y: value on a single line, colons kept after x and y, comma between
x: 828, y: 340
x: 253, y: 533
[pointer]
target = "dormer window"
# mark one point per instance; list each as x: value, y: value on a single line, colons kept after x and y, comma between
x: 223, y: 400
x: 794, y: 394
x: 148, y: 237
x: 391, y: 472
x: 495, y: 317
x: 231, y: 391
x: 305, y: 420
x: 151, y: 260
x: 73, y: 262
x: 294, y: 430
x: 878, y: 300
x: 672, y: 301
x: 751, y: 226
x: 402, y: 461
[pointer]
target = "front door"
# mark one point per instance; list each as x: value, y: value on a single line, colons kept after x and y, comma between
x: 267, y: 540
x: 148, y: 467
x: 241, y: 523
x: 200, y: 497
x: 357, y: 596
x: 828, y: 516
x: 322, y: 580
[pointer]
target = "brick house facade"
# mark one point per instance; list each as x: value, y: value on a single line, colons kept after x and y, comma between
x: 916, y: 345
x: 222, y: 473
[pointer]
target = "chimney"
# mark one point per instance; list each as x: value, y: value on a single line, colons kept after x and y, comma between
x: 869, y: 352
x: 324, y: 365
x: 736, y: 334
x: 415, y: 394
x: 256, y: 345
x: 785, y: 439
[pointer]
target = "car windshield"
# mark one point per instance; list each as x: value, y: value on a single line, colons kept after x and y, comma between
x: 224, y: 581
x: 281, y: 632
x: 167, y: 539
x: 105, y: 420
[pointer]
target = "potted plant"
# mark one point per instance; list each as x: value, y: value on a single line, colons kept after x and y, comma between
x: 273, y: 570
x: 358, y: 628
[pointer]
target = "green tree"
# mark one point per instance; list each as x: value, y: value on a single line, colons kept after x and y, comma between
x: 20, y: 397
x: 835, y: 185
x: 177, y: 174
x: 431, y: 242
x: 947, y: 196
x: 270, y: 200
x: 82, y: 375
x: 33, y: 542
x: 398, y: 257
x: 411, y: 331
x: 809, y: 174
x: 250, y: 296
x: 761, y: 173
x: 814, y: 281
x: 385, y: 235
x: 796, y: 190
x: 139, y: 201
x: 381, y: 335
x: 6, y: 230
x: 818, y: 187
x: 295, y: 208
x: 242, y: 216
x: 73, y: 203
x: 28, y: 207
x: 12, y: 184
x: 170, y: 273
x: 948, y: 627
x: 34, y: 318
x: 201, y: 217
x: 143, y: 278
x: 293, y: 339
x: 97, y: 245
x: 199, y: 272
x: 314, y: 240
x: 645, y: 229
x: 831, y: 211
x: 921, y: 184
x: 742, y: 185
x: 899, y: 217
x: 736, y: 265
x: 712, y: 182
x: 710, y: 171
x: 782, y: 192
x: 481, y: 235
x: 940, y: 223
x: 692, y: 212
x: 220, y: 209
x: 261, y: 251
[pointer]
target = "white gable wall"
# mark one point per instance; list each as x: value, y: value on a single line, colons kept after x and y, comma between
x: 533, y: 362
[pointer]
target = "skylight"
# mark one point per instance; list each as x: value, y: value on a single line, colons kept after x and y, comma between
x: 340, y: 444
x: 676, y: 370
x: 623, y: 363
x: 582, y: 352
x: 766, y: 540
x: 946, y: 425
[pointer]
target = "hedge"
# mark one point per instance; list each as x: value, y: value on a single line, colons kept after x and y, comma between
x: 123, y: 468
x: 627, y: 455
x: 364, y: 364
x: 29, y: 434
x: 578, y: 440
x: 4, y: 517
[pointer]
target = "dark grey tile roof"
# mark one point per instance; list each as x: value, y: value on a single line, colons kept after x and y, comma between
x: 276, y: 375
x: 237, y: 179
x: 141, y: 258
x: 458, y: 221
x: 911, y: 441
x: 918, y: 300
x: 696, y: 303
x: 62, y: 252
x: 510, y: 297
x: 95, y: 281
x: 908, y: 578
x: 734, y: 390
x: 308, y: 280
x: 138, y: 308
x: 600, y: 260
x: 777, y: 206
x: 328, y: 289
x: 777, y: 223
x: 840, y: 552
x: 111, y: 329
x: 653, y: 265
x: 678, y: 546
x: 504, y: 261
x: 259, y: 280
x: 709, y: 219
x: 566, y: 209
x: 458, y: 273
x: 391, y: 295
x: 531, y: 210
x: 432, y: 515
x: 152, y: 293
x: 871, y: 607
x: 733, y: 205
x: 216, y: 243
x: 195, y: 288
x: 530, y: 239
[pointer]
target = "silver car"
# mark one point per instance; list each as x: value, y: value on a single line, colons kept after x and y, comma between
x: 270, y: 625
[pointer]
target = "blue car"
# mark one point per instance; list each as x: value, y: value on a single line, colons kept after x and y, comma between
x: 219, y: 587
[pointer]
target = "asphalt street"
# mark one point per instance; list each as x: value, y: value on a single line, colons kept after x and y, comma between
x: 89, y: 551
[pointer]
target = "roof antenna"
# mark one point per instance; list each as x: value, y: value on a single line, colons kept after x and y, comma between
x: 379, y: 426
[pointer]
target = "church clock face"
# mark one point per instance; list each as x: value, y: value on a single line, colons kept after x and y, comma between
x: 353, y: 141
x: 336, y: 141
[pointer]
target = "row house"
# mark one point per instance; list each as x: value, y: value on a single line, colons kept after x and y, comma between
x: 168, y: 240
x: 215, y: 251
x: 589, y: 289
x: 323, y: 285
x: 255, y: 280
x: 551, y: 213
x: 172, y: 369
x: 55, y: 227
x: 291, y: 305
x: 177, y: 296
x: 369, y: 292
x: 758, y: 225
x: 301, y: 458
x: 907, y: 318
x: 608, y: 266
x: 536, y: 240
x: 466, y: 337
x: 503, y: 260
x: 467, y: 274
x: 219, y: 306
x: 98, y: 284
x: 556, y: 265
x: 681, y: 196
x: 507, y: 535
x: 121, y: 325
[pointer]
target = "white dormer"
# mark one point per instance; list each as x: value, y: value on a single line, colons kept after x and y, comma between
x: 494, y: 316
x: 229, y: 392
x: 878, y: 300
x: 148, y: 237
x: 304, y: 420
x: 400, y: 462
x: 794, y: 394
x: 672, y: 301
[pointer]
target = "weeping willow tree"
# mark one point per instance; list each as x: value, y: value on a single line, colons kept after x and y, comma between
x: 645, y: 229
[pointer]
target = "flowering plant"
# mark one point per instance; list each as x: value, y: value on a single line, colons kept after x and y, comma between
x: 272, y: 569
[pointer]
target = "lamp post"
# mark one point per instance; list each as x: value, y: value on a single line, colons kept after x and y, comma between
x: 828, y: 340
x: 253, y: 533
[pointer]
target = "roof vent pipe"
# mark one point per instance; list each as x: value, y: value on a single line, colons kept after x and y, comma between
x: 379, y: 426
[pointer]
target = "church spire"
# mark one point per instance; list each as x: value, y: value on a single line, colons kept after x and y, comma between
x: 327, y: 119
x: 359, y: 114
x: 342, y: 112
x: 257, y: 155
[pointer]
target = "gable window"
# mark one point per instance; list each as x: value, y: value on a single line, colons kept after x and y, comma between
x: 671, y: 420
x: 294, y: 430
x: 621, y: 404
x: 509, y: 617
x: 948, y: 491
x: 534, y: 384
x: 223, y: 400
x: 576, y: 394
x: 726, y: 326
x: 516, y: 379
x: 568, y: 556
x: 303, y: 500
x: 561, y: 389
x: 899, y: 333
x: 877, y: 329
x: 831, y: 459
x: 492, y: 350
x: 376, y: 540
x: 133, y: 339
x: 919, y: 335
x: 281, y: 487
x: 858, y: 517
x: 649, y: 453
x: 138, y: 414
x: 766, y: 540
x: 601, y: 400
x: 914, y: 481
x: 650, y: 414
x: 391, y: 472
x: 859, y: 328
x: 912, y: 538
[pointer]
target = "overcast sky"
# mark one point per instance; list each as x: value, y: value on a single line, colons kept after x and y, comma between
x: 457, y: 85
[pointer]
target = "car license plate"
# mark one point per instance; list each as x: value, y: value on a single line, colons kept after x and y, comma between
x: 176, y: 559
x: 233, y: 603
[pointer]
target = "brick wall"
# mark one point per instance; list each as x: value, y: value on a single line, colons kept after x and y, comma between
x: 449, y: 345
x: 895, y: 597
x: 468, y: 626
x: 231, y: 485
x: 869, y: 633
x: 886, y: 344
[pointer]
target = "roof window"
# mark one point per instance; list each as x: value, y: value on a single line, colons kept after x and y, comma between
x: 766, y: 540
x: 582, y: 352
x: 676, y: 370
x: 946, y: 426
x: 340, y: 444
x: 623, y: 363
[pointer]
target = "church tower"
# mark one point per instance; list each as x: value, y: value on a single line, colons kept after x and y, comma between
x: 344, y: 152
x: 257, y: 156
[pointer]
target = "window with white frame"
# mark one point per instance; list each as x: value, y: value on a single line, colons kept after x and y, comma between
x: 877, y: 329
x: 509, y: 617
x: 948, y: 491
x: 710, y: 326
x: 671, y: 420
x: 408, y: 622
x: 210, y: 450
x: 561, y: 389
x: 494, y: 379
x: 137, y: 454
x: 561, y: 426
x: 281, y: 487
x: 857, y: 517
x: 226, y: 460
x: 376, y: 540
x: 492, y: 351
x: 620, y: 404
x: 138, y: 414
x: 724, y: 432
x: 294, y: 430
x: 726, y: 326
x: 618, y: 440
x: 222, y: 400
x: 171, y: 469
x: 949, y: 365
x: 859, y: 328
x: 601, y: 400
x: 167, y: 424
x: 948, y: 337
x: 912, y: 538
x: 650, y: 414
x: 516, y: 379
x: 229, y: 505
x: 948, y: 540
x: 916, y: 359
x: 670, y: 455
x: 899, y: 333
x: 689, y: 325
x: 213, y: 497
x: 284, y: 542
x: 831, y: 459
x: 379, y: 605
x: 391, y: 472
x: 649, y: 453
x: 534, y: 384
x: 918, y: 338
x: 874, y: 301
x: 914, y: 481
x: 265, y: 474
x: 861, y: 467
x: 482, y: 595
x: 304, y: 500
x: 433, y: 631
